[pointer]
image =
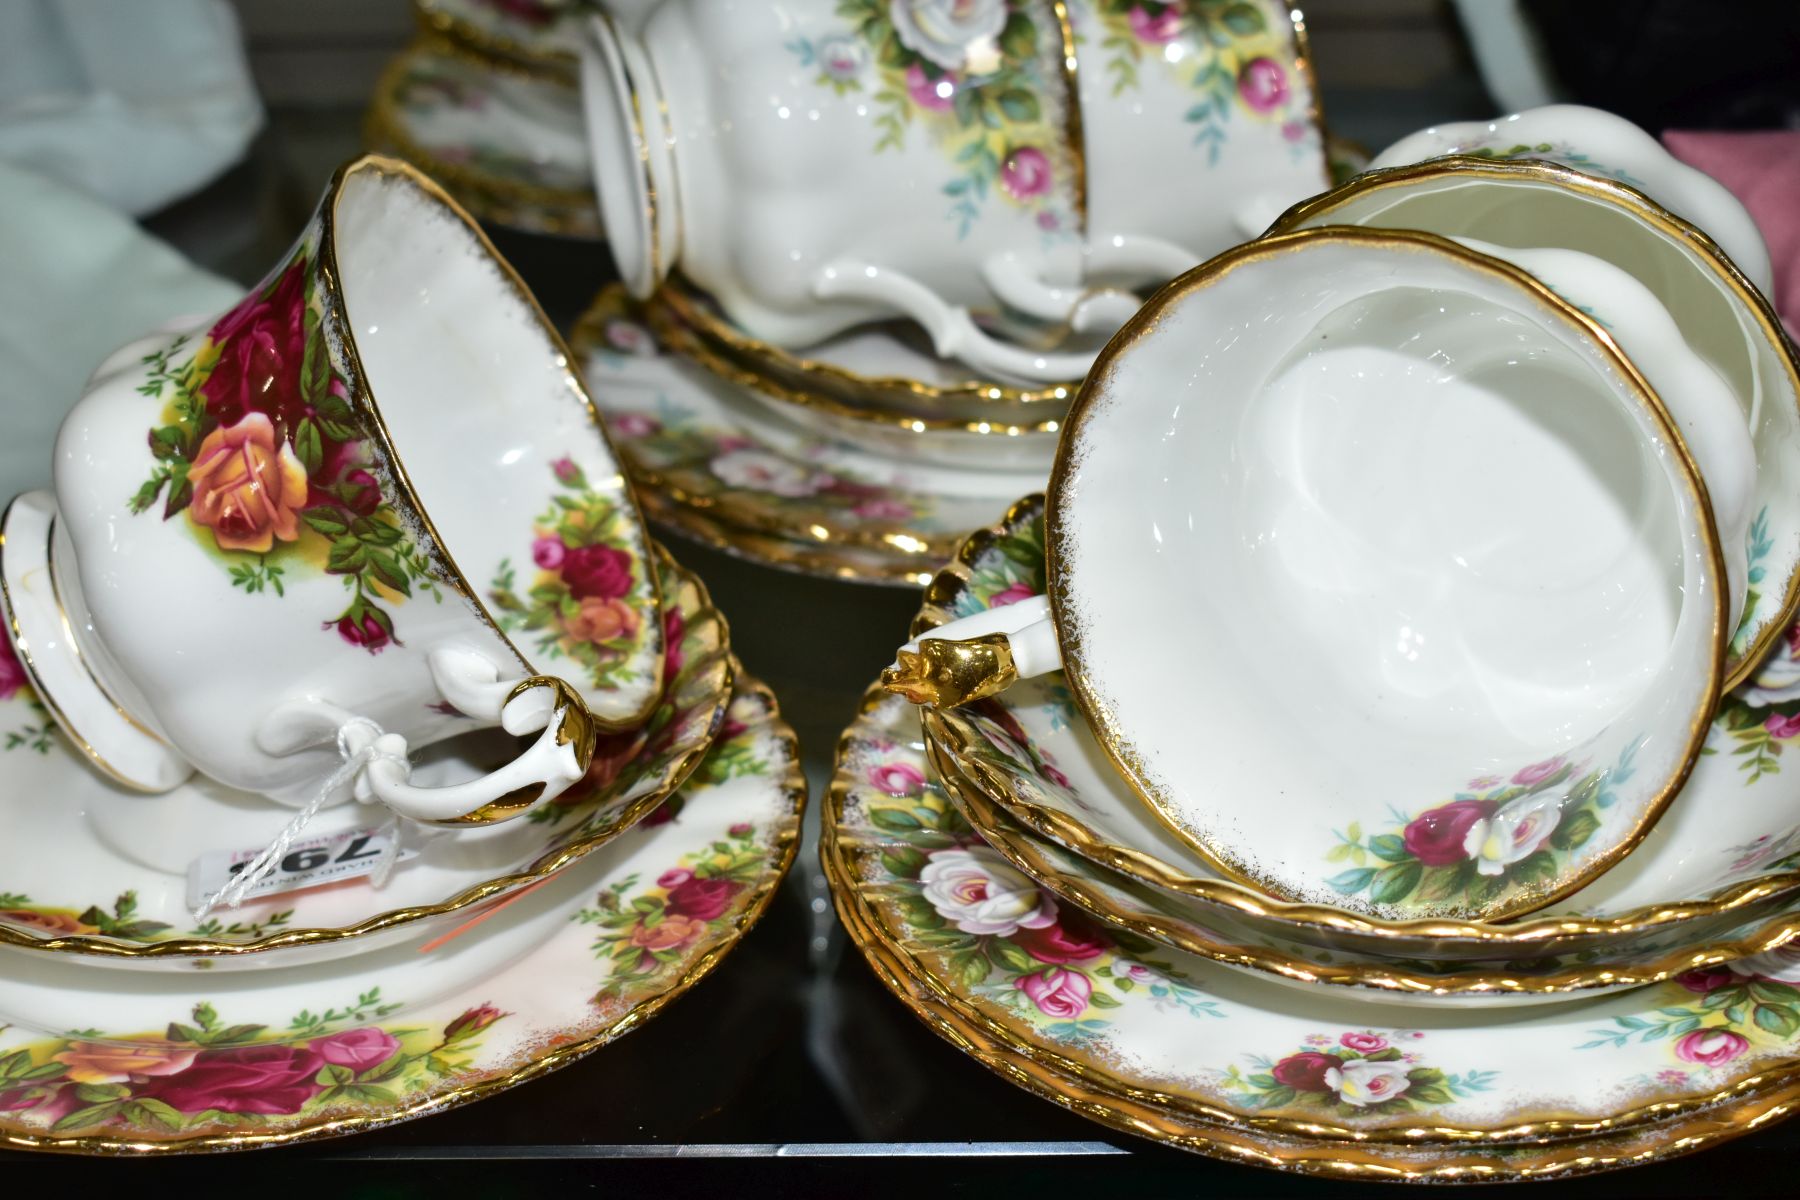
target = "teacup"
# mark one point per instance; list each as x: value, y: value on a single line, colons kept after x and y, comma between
x: 817, y: 165
x: 1389, y: 514
x: 1718, y: 310
x: 367, y: 509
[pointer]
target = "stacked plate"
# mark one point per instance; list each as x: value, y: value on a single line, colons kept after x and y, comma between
x: 1166, y: 842
x: 485, y: 101
x: 380, y: 833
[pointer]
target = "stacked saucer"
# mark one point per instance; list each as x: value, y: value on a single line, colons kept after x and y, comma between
x: 485, y: 101
x: 449, y: 787
x: 869, y: 249
x: 1290, y: 783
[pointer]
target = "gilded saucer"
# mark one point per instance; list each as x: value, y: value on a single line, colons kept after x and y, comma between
x: 110, y: 1063
x: 1210, y: 1046
x: 101, y: 874
x: 508, y: 144
x: 695, y: 444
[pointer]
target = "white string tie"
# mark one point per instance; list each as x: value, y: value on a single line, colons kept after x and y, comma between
x: 354, y: 760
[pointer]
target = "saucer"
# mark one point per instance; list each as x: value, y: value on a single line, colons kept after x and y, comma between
x: 542, y: 35
x: 1724, y: 855
x: 183, y: 1063
x: 694, y: 443
x: 506, y: 143
x: 1198, y: 1041
x: 102, y: 872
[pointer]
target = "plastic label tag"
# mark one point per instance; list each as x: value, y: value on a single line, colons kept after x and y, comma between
x: 309, y: 862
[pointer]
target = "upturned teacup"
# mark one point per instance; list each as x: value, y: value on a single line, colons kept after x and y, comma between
x: 368, y: 508
x: 819, y: 164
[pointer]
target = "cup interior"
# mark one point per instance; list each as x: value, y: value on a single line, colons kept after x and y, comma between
x: 500, y: 444
x: 1405, y: 525
x: 1524, y: 212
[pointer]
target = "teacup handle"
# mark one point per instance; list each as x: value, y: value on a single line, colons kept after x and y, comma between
x: 977, y: 656
x: 557, y: 759
x: 952, y: 329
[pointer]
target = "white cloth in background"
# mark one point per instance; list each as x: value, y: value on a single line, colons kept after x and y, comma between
x: 77, y: 281
x: 137, y: 102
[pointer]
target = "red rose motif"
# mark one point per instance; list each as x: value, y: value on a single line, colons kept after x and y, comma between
x: 273, y: 1080
x: 1026, y: 173
x: 1011, y: 594
x: 1704, y: 979
x: 1363, y: 1043
x: 472, y: 1022
x: 1305, y: 1071
x: 1435, y: 837
x: 12, y: 673
x: 673, y: 628
x: 1782, y: 727
x: 261, y: 343
x: 361, y: 492
x: 1072, y: 938
x: 1263, y: 84
x: 598, y: 571
x: 702, y: 899
x: 358, y: 1049
x: 370, y: 632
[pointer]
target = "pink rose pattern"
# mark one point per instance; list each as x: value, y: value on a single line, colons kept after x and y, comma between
x: 995, y: 115
x: 262, y: 447
x: 1238, y: 58
x: 1506, y: 834
x: 1356, y: 1073
x: 587, y: 599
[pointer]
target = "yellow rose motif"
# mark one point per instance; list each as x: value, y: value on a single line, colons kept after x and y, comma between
x: 248, y: 489
x: 115, y: 1062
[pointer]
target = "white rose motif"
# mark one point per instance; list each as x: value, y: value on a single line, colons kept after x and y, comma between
x: 841, y: 57
x: 1516, y: 829
x: 1779, y: 679
x: 1362, y: 1082
x: 758, y: 470
x: 979, y: 892
x: 951, y: 33
x: 1781, y: 965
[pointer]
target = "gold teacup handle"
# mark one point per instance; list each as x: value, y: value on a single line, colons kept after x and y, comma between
x: 977, y: 656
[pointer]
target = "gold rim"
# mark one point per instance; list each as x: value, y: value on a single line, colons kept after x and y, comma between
x: 548, y: 1058
x: 1341, y: 1158
x: 43, y: 694
x: 458, y: 580
x: 1124, y: 757
x: 978, y: 801
x: 587, y: 337
x: 1683, y: 233
x: 568, y: 212
x: 838, y: 853
x: 819, y: 560
x: 713, y: 670
x: 1532, y: 935
x: 1303, y: 62
x: 662, y: 314
x: 1074, y: 137
x: 771, y: 360
x: 494, y: 49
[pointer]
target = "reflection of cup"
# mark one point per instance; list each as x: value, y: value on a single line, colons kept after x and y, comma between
x: 366, y: 509
x: 1575, y: 180
x: 1349, y: 517
x: 815, y: 166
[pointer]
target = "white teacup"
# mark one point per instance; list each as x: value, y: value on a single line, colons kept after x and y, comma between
x: 1714, y: 300
x: 367, y: 509
x: 817, y: 165
x: 1347, y: 518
